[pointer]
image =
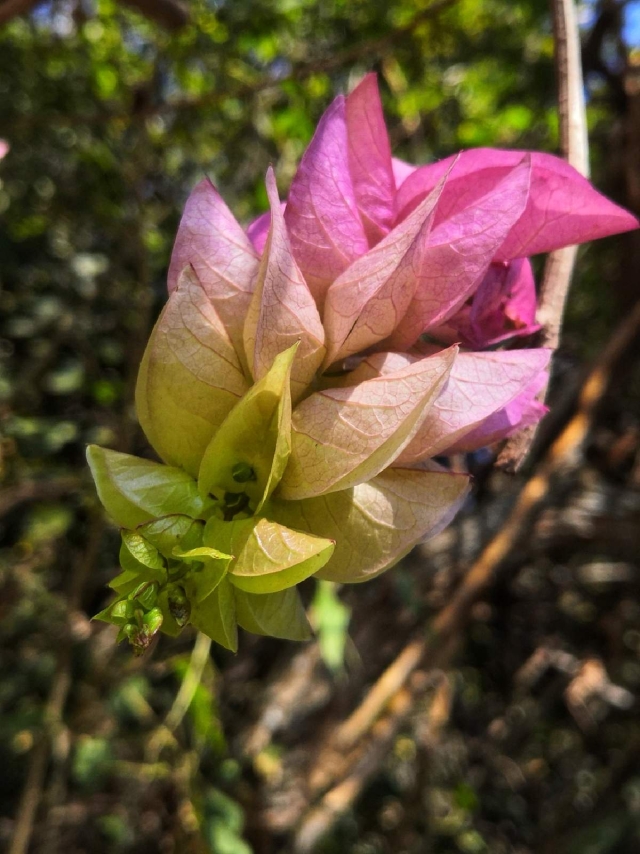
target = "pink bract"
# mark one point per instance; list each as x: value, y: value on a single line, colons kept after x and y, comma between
x: 366, y: 257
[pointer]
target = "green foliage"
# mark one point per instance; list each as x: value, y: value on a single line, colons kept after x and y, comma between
x: 239, y: 568
x: 134, y: 491
x: 224, y: 823
x: 92, y: 761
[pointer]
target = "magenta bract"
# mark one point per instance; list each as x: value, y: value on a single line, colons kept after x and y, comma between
x: 384, y: 282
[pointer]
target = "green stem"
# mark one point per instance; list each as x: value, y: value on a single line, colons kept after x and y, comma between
x: 193, y: 676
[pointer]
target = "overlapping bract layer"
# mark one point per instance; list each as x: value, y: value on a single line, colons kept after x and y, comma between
x: 289, y: 391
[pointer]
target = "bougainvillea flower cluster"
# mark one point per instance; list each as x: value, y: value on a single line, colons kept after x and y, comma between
x: 305, y: 372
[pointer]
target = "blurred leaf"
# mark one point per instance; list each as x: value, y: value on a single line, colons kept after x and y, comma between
x: 224, y: 821
x: 47, y: 522
x: 330, y: 619
x: 91, y: 761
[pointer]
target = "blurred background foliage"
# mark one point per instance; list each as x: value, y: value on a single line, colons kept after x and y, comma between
x: 113, y: 111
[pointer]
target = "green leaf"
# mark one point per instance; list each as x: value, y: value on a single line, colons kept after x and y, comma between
x: 201, y: 583
x: 134, y: 491
x: 269, y: 557
x: 171, y: 532
x: 134, y: 573
x: 129, y: 563
x: 278, y: 615
x: 142, y: 550
x: 216, y: 616
x: 120, y: 611
x: 257, y: 433
x: 104, y: 616
x: 126, y: 581
x: 190, y: 377
x: 201, y: 553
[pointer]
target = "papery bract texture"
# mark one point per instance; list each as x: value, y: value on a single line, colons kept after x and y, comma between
x: 211, y: 241
x: 190, y: 377
x: 370, y: 160
x: 460, y: 252
x: 282, y: 310
x: 304, y: 373
x: 503, y: 307
x: 563, y: 208
x: 376, y: 523
x: 344, y: 436
x: 322, y: 214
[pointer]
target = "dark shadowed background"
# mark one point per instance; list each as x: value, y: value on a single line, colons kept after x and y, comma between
x: 530, y: 740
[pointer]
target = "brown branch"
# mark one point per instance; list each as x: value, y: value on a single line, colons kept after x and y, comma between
x: 337, y: 801
x: 37, y: 490
x: 364, y: 762
x: 54, y: 708
x: 574, y: 144
x: 360, y: 743
x: 171, y: 14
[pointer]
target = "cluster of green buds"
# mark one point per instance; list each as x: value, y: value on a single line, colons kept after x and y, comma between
x: 209, y: 552
x: 138, y: 615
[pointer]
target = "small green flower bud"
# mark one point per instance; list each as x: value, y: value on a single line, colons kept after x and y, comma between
x: 242, y: 473
x: 234, y: 502
x: 151, y: 622
x: 179, y: 606
x: 128, y: 632
x: 146, y: 594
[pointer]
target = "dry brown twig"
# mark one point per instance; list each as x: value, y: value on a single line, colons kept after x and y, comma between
x: 170, y: 14
x: 37, y: 490
x: 574, y: 144
x: 361, y: 742
x: 54, y: 708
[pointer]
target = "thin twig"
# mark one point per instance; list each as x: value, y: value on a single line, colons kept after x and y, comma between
x: 371, y: 752
x: 37, y: 490
x: 342, y: 768
x: 394, y: 677
x: 337, y: 800
x: 574, y: 144
x: 170, y: 14
x: 54, y: 709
